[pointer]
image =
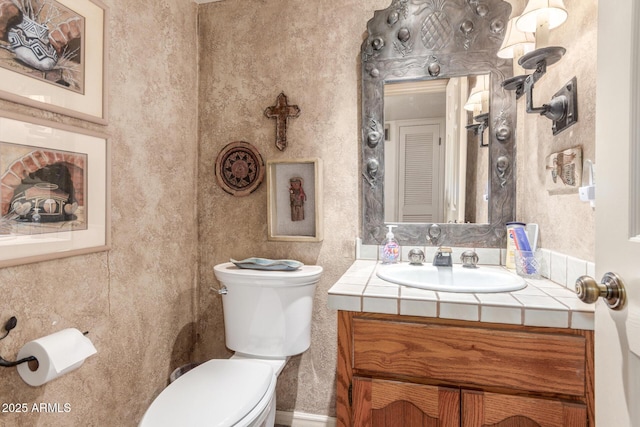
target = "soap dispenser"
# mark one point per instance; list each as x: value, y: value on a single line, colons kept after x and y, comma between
x: 390, y: 248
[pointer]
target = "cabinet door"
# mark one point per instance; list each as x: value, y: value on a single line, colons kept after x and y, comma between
x: 496, y: 410
x: 383, y: 403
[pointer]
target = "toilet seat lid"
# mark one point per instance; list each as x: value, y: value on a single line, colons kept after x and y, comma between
x: 217, y: 393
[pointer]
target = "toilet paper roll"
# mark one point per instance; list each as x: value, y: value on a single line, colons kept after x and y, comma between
x: 57, y: 354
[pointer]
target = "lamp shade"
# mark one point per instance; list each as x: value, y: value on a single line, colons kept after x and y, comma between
x: 516, y: 40
x: 555, y: 10
x: 471, y: 106
x: 475, y: 99
x: 479, y: 94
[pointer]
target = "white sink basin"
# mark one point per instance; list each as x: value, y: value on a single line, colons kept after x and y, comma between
x: 483, y: 279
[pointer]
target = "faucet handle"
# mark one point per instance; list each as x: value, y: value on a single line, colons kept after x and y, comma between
x: 469, y: 259
x: 416, y: 256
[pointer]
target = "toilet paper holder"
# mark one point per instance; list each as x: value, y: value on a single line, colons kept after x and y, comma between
x: 8, y: 326
x: 8, y: 364
x: 11, y: 323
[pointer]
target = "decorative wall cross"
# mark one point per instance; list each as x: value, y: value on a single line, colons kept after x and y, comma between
x: 281, y: 112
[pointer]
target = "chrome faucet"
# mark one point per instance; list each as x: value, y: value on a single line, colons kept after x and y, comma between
x: 443, y: 257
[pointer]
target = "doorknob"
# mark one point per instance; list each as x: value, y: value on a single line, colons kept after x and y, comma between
x: 611, y: 288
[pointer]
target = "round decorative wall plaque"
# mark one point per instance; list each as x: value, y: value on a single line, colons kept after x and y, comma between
x: 239, y: 168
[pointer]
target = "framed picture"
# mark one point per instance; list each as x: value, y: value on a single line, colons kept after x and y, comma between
x: 564, y: 171
x: 54, y: 191
x: 52, y: 56
x: 294, y: 192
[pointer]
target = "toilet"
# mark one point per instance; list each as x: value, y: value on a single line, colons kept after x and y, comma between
x: 267, y: 319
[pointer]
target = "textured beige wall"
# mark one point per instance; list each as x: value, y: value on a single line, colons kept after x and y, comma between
x: 251, y: 50
x: 567, y: 225
x: 137, y: 301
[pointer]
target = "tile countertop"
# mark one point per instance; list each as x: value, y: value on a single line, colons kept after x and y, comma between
x: 541, y: 303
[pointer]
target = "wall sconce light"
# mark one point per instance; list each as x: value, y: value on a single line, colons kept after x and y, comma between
x: 539, y: 16
x: 478, y: 103
x: 481, y: 123
x: 516, y: 43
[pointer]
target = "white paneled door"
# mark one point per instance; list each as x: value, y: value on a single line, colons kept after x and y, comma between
x: 617, y: 336
x: 421, y: 173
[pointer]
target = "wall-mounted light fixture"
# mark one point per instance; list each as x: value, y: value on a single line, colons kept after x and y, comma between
x: 540, y: 16
x: 515, y: 44
x: 481, y: 122
x: 478, y: 104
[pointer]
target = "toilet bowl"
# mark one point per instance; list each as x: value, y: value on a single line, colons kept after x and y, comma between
x: 267, y: 316
x: 218, y: 393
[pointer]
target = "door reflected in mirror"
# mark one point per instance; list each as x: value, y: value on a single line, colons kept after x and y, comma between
x: 435, y: 169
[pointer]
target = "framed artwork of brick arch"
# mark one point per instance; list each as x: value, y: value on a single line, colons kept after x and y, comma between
x: 54, y: 191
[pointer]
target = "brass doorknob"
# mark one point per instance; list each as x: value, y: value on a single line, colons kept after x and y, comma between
x: 611, y: 288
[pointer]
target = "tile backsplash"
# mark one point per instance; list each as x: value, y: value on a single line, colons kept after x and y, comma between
x: 560, y: 268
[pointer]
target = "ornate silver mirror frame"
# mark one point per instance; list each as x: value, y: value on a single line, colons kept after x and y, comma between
x: 430, y: 39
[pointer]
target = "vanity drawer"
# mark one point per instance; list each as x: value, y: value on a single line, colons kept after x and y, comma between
x: 512, y: 359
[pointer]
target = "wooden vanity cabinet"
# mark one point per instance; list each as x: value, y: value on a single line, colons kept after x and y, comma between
x: 387, y: 403
x: 412, y: 371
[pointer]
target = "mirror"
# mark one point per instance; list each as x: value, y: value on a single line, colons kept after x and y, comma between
x: 435, y: 166
x: 426, y: 41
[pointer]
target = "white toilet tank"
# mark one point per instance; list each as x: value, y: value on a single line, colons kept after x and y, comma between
x: 268, y: 313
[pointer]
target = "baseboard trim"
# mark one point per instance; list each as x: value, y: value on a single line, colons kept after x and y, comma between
x: 301, y: 419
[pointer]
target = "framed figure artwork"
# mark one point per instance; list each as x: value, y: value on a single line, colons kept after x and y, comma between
x: 52, y: 56
x: 294, y: 192
x: 54, y: 191
x: 564, y: 171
